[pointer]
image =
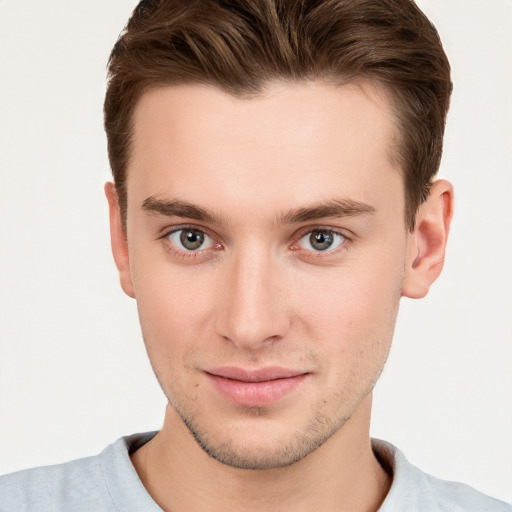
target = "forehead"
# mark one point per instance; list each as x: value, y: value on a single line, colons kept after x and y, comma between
x: 292, y: 142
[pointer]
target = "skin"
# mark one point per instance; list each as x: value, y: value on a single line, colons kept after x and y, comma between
x: 258, y: 177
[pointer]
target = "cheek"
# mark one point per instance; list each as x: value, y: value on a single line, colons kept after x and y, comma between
x: 352, y: 314
x: 354, y: 340
x: 174, y: 306
x: 174, y: 324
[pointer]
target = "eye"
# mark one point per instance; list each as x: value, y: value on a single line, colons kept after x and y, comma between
x: 189, y: 239
x: 321, y: 240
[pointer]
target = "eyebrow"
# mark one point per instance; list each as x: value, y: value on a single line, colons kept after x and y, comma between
x: 176, y: 208
x: 333, y: 208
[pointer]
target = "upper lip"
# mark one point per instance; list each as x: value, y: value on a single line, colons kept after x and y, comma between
x: 254, y: 375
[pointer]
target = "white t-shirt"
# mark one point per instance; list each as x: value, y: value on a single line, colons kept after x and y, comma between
x: 109, y: 482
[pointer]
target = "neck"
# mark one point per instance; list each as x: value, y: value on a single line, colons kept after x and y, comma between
x: 341, y: 475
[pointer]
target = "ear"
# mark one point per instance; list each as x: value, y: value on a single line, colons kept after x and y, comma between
x: 118, y: 240
x: 427, y: 244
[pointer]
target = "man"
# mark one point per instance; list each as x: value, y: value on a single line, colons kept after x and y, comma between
x: 273, y: 198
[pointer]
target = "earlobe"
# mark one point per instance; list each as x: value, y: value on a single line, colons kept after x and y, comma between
x: 118, y: 240
x: 427, y: 245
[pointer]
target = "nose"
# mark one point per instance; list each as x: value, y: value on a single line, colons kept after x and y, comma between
x: 252, y: 309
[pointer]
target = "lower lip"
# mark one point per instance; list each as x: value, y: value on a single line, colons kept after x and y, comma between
x: 255, y: 394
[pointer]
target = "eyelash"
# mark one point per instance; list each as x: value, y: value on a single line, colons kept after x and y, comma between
x: 322, y: 229
x: 183, y: 253
x: 298, y: 236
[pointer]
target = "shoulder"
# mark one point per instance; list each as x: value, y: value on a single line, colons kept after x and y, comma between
x: 76, y: 485
x: 412, y: 490
x: 99, y: 483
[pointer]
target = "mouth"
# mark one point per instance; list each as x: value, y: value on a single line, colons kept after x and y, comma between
x: 255, y: 388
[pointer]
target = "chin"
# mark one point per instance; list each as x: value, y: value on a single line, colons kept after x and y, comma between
x: 264, y: 448
x: 256, y: 457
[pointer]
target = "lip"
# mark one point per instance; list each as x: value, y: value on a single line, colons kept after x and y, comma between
x: 255, y: 387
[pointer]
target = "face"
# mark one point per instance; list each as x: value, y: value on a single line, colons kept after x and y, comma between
x: 267, y: 246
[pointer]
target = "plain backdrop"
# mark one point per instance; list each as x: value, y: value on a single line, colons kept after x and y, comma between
x: 74, y: 375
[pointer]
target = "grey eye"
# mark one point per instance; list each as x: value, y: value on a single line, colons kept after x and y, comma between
x: 190, y: 239
x: 321, y: 240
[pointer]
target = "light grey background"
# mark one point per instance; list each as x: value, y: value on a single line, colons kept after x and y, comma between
x: 73, y: 371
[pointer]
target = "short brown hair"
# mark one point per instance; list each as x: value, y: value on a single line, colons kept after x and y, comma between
x: 242, y: 45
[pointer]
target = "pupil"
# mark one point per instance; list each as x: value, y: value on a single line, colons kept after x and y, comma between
x: 321, y: 240
x: 192, y: 239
